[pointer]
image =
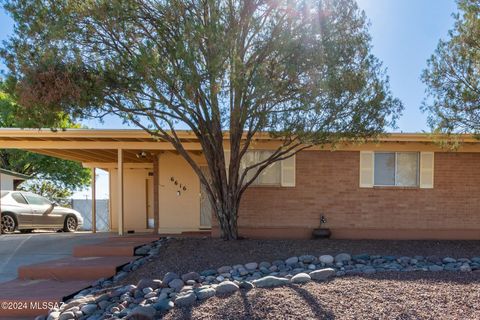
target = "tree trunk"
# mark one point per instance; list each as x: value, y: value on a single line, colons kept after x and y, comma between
x: 227, y: 213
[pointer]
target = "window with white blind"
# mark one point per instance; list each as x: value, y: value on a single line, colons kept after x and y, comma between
x: 396, y: 169
x: 270, y: 176
x: 403, y: 169
x: 280, y: 173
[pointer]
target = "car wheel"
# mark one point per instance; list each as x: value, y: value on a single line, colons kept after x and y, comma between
x: 70, y: 224
x: 9, y: 223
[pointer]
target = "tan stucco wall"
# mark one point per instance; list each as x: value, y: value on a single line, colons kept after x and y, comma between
x: 134, y: 196
x: 178, y: 212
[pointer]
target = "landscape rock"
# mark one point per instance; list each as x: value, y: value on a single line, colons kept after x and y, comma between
x: 163, y: 305
x: 190, y: 276
x: 207, y: 273
x: 224, y: 269
x: 147, y: 290
x: 226, y: 287
x: 247, y: 285
x: 291, y: 260
x: 169, y: 276
x: 269, y: 281
x: 68, y: 315
x: 88, y: 309
x: 307, y: 258
x: 327, y: 259
x: 176, y: 284
x: 465, y: 268
x: 53, y: 315
x: 343, y: 257
x: 186, y: 299
x: 205, y: 293
x: 150, y: 295
x: 251, y: 266
x: 301, y: 278
x: 322, y: 274
x: 435, y: 268
x: 147, y: 283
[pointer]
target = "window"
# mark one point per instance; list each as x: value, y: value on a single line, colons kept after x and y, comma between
x: 270, y: 176
x: 278, y: 174
x: 396, y: 169
x: 36, y: 199
x: 17, y: 196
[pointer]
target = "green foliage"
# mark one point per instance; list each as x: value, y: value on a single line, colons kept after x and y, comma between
x: 60, y: 173
x: 301, y: 67
x: 300, y: 70
x: 48, y: 190
x: 453, y: 75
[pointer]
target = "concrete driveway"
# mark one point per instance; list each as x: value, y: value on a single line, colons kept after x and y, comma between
x: 24, y: 249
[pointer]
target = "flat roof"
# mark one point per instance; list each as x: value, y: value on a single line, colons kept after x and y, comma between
x: 142, y: 135
x: 101, y: 145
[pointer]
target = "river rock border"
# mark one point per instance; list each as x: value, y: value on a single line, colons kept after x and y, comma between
x: 150, y: 298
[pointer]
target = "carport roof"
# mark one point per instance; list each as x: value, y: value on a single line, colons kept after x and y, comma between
x: 101, y: 145
x: 90, y: 145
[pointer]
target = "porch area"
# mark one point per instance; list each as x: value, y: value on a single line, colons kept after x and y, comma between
x: 152, y: 189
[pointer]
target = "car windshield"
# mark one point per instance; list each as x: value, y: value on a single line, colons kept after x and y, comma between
x: 3, y: 194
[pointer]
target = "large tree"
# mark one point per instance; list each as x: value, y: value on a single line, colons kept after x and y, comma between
x: 301, y: 71
x: 453, y: 75
x: 64, y: 176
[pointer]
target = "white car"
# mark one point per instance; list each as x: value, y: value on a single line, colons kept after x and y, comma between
x: 25, y: 211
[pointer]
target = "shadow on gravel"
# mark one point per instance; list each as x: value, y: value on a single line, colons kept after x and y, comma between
x: 246, y: 304
x: 312, y: 302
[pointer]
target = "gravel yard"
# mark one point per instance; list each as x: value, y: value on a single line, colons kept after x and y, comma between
x: 184, y: 255
x: 415, y: 295
x: 383, y: 295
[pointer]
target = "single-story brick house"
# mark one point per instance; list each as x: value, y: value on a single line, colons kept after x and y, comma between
x: 400, y: 186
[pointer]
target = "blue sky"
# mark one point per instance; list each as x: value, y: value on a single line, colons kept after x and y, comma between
x: 404, y: 34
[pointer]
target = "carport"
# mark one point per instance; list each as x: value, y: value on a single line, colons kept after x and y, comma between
x: 124, y: 154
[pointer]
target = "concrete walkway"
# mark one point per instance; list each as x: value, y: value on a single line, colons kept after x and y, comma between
x: 49, y: 280
x: 18, y: 250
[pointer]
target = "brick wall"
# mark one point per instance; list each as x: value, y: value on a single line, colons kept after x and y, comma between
x: 328, y: 183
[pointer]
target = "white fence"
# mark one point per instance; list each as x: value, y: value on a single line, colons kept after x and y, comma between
x: 84, y: 206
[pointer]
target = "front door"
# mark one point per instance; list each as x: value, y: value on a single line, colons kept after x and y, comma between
x: 206, y: 209
x: 149, y: 203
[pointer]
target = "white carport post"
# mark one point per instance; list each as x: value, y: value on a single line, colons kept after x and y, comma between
x: 120, y: 191
x: 94, y: 201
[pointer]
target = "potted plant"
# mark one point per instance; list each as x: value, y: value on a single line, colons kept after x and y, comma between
x: 322, y: 233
